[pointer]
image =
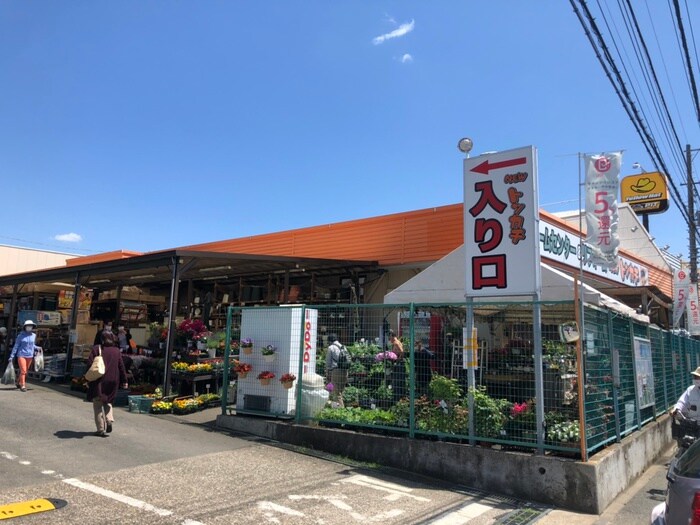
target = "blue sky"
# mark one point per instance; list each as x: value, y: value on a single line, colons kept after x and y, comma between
x: 150, y: 125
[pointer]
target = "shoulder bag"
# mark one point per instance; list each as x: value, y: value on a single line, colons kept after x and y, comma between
x: 97, y: 368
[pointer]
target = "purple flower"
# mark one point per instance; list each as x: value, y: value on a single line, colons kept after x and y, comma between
x: 330, y: 387
x: 385, y: 356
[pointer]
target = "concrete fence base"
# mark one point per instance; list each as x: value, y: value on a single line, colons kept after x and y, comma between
x: 573, y: 485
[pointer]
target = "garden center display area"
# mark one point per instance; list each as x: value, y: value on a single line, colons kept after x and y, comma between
x: 220, y: 347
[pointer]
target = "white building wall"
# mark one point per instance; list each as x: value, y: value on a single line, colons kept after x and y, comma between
x: 16, y: 260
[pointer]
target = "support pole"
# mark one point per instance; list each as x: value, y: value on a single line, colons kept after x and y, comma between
x: 539, y: 375
x: 72, y: 335
x: 174, y: 288
x: 691, y: 215
x: 471, y: 378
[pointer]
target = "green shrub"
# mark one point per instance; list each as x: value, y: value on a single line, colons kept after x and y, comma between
x: 444, y: 388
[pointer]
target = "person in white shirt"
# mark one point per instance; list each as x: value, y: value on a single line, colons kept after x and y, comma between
x: 689, y: 402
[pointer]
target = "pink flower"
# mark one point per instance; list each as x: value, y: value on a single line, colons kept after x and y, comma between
x: 330, y: 387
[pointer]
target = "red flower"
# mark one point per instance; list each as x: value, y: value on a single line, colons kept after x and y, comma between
x: 266, y: 375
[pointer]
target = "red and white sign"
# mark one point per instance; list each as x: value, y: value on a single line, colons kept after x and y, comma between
x: 501, y: 234
x: 681, y: 287
x: 693, y: 310
x: 602, y: 184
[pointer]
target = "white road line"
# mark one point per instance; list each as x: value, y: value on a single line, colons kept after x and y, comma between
x: 336, y: 501
x: 274, y: 507
x: 463, y: 515
x: 48, y: 472
x: 395, y: 491
x: 25, y: 462
x: 117, y: 497
x: 7, y: 455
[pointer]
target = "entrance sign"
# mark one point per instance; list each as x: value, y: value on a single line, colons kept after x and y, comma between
x: 645, y: 192
x: 681, y: 287
x: 602, y: 172
x: 501, y: 236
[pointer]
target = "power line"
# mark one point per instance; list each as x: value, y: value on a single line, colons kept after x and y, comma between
x: 689, y: 63
x: 615, y: 78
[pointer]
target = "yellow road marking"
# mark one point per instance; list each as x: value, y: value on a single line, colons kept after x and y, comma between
x: 23, y: 508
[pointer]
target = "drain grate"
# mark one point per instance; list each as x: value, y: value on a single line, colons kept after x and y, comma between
x: 522, y: 516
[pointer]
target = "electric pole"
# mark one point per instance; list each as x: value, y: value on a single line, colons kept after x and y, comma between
x: 691, y: 216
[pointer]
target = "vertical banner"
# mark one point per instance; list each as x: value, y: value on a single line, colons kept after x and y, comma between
x: 602, y: 184
x: 681, y: 286
x: 693, y: 311
x: 501, y: 231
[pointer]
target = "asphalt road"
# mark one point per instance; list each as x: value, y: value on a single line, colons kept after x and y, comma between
x: 166, y: 470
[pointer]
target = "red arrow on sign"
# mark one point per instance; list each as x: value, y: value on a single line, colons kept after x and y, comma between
x: 485, y: 166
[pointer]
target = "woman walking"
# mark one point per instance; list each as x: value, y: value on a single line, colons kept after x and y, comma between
x: 102, y: 391
x: 24, y: 348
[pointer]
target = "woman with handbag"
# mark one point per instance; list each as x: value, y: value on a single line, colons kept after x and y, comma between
x: 24, y: 349
x: 103, y: 389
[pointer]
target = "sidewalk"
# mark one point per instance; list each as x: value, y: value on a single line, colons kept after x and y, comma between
x: 205, y: 417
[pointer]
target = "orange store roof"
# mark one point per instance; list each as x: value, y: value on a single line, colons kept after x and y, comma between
x: 101, y: 257
x: 400, y: 238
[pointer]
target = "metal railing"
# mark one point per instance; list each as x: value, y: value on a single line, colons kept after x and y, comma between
x: 632, y: 372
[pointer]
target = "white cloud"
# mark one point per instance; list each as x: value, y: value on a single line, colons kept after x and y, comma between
x: 402, y: 30
x: 406, y: 58
x: 69, y: 237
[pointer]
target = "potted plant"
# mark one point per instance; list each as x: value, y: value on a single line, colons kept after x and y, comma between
x: 247, y: 345
x: 265, y: 377
x: 565, y: 433
x: 287, y: 380
x: 268, y: 352
x: 242, y: 370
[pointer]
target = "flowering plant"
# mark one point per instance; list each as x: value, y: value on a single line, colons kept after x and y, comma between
x: 330, y: 387
x: 201, y: 336
x: 161, y: 407
x: 266, y: 375
x: 519, y: 410
x: 269, y: 350
x: 235, y: 345
x: 246, y: 342
x: 566, y: 432
x: 242, y: 367
x: 287, y: 378
x: 385, y: 356
x: 190, y: 328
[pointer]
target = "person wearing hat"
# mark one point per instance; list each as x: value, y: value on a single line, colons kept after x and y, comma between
x: 689, y: 402
x: 25, y: 347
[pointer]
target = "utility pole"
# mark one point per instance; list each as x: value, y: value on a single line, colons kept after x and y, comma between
x: 691, y: 213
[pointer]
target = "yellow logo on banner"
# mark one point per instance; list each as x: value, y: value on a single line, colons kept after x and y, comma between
x: 645, y: 192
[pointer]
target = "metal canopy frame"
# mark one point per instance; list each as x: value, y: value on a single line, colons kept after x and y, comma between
x: 171, y: 267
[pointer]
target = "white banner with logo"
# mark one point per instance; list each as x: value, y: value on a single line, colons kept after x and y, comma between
x: 602, y: 185
x: 681, y: 286
x: 693, y: 310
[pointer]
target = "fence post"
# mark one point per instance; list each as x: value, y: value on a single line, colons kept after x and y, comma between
x: 615, y: 373
x: 637, y: 410
x: 663, y: 368
x: 300, y: 368
x: 227, y: 354
x: 411, y: 374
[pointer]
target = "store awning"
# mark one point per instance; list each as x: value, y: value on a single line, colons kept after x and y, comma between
x: 156, y: 267
x: 444, y: 282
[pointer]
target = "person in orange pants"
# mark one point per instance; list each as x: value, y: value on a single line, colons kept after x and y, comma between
x: 24, y: 349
